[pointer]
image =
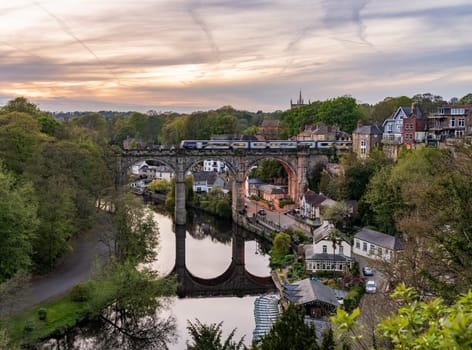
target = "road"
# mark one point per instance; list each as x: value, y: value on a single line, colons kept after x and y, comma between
x: 277, y: 217
x: 71, y: 269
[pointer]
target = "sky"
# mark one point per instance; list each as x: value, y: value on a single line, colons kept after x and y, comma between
x: 183, y: 55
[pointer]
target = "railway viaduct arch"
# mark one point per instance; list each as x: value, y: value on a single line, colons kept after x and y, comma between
x: 297, y: 162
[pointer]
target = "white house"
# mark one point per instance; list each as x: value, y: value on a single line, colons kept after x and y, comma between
x: 330, y: 250
x: 163, y: 172
x: 156, y: 172
x: 376, y: 245
x: 312, y: 203
x: 135, y: 168
x: 393, y: 126
x: 205, y: 180
x: 214, y: 165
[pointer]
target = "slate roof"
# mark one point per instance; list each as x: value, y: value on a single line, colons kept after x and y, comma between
x: 255, y: 181
x: 307, y: 291
x: 208, y: 176
x: 379, y: 239
x: 322, y: 231
x: 271, y: 189
x: 313, y: 198
x: 327, y: 256
x: 368, y: 130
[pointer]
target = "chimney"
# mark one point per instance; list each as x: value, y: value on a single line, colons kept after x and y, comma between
x: 359, y: 123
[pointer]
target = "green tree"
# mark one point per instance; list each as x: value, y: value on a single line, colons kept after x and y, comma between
x: 294, y: 120
x: 136, y: 232
x: 428, y: 102
x: 159, y: 185
x: 385, y: 108
x: 224, y: 124
x: 269, y: 171
x: 21, y: 105
x: 383, y: 201
x: 290, y: 332
x: 173, y: 131
x: 341, y: 111
x: 94, y: 123
x: 429, y: 325
x: 282, y: 244
x: 57, y: 217
x: 18, y: 224
x: 130, y: 304
x: 314, y: 177
x: 20, y: 134
x: 356, y: 178
x: 338, y: 214
x: 416, y: 324
x: 209, y: 337
x: 467, y: 99
x: 138, y: 124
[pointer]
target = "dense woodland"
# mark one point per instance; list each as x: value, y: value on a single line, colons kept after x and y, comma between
x: 54, y: 172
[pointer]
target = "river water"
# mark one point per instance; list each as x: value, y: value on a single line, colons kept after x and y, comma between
x: 208, y: 257
x: 208, y: 253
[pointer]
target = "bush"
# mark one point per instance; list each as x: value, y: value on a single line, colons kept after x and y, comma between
x: 81, y: 292
x: 29, y: 327
x: 284, y: 202
x: 42, y: 314
x: 353, y: 298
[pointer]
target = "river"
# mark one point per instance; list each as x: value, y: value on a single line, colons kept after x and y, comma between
x: 208, y: 253
x: 208, y: 257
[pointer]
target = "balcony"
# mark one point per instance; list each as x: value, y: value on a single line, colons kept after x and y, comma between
x: 391, y: 140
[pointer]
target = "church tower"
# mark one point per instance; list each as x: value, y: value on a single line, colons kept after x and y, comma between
x: 300, y: 102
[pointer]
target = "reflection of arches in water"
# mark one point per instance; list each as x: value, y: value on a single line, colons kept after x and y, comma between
x: 234, y: 281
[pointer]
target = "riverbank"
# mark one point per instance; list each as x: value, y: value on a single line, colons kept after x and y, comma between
x: 51, y: 291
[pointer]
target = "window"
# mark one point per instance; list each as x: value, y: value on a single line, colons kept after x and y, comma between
x: 461, y: 122
x: 325, y: 249
x: 358, y: 244
x: 363, y: 148
x: 364, y: 246
x: 372, y: 248
x: 379, y: 251
x: 452, y: 122
x: 341, y: 249
x: 459, y: 133
x: 408, y: 126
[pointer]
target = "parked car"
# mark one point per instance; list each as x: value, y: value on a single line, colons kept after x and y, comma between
x: 370, y: 287
x: 367, y: 271
x: 262, y: 212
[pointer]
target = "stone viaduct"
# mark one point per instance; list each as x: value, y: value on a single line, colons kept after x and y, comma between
x: 296, y: 162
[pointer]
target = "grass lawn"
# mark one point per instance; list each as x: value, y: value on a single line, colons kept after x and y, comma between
x: 61, y: 314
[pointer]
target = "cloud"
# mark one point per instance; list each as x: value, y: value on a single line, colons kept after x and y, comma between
x: 252, y: 54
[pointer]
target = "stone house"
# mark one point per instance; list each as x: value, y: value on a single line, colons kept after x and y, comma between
x: 269, y: 130
x: 252, y: 186
x: 414, y: 128
x: 365, y: 138
x: 376, y: 245
x: 330, y: 250
x: 312, y: 204
x: 204, y: 181
x: 449, y: 122
x: 156, y: 172
x: 318, y: 132
x: 318, y: 299
x: 272, y: 193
